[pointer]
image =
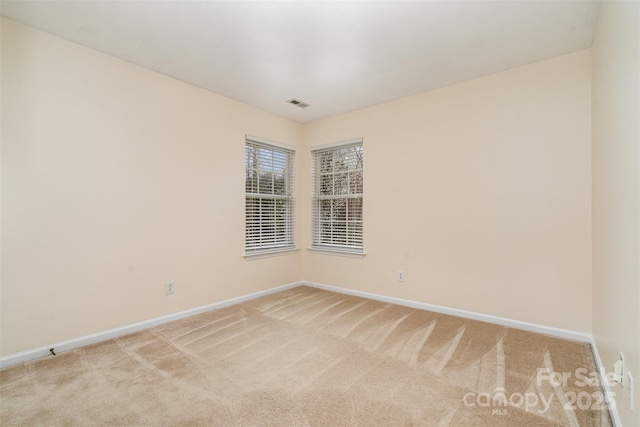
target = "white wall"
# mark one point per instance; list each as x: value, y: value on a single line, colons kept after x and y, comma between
x: 480, y: 192
x: 116, y: 179
x: 616, y: 192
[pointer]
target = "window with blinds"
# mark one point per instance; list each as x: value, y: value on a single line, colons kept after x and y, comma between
x: 269, y: 197
x: 337, y: 197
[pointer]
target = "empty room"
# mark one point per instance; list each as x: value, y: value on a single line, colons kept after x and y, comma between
x: 320, y: 213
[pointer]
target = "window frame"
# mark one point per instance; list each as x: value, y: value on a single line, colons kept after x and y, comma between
x: 341, y: 244
x: 256, y: 227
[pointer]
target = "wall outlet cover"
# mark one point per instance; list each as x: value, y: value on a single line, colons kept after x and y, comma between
x: 630, y: 390
x: 618, y: 370
x: 169, y: 288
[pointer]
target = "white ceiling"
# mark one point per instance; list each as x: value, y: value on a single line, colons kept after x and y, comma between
x: 337, y: 56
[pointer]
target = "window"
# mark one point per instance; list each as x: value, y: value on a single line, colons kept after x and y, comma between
x: 269, y: 197
x: 337, y: 197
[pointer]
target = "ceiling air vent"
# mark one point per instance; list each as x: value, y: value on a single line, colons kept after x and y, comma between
x: 298, y: 103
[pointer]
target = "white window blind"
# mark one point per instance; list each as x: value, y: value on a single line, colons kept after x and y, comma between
x: 337, y: 197
x: 269, y: 197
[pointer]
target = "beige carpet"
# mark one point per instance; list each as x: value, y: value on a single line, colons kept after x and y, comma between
x: 309, y: 357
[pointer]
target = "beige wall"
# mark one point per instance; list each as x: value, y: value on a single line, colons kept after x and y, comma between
x: 616, y: 192
x: 480, y: 192
x: 116, y: 179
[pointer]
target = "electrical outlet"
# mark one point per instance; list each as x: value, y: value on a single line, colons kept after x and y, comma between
x: 169, y: 288
x: 630, y: 390
x: 618, y: 370
x: 400, y: 276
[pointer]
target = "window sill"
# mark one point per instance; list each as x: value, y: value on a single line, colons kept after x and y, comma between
x: 338, y: 252
x: 268, y: 253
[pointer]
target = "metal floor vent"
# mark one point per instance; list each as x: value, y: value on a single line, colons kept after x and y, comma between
x: 298, y: 103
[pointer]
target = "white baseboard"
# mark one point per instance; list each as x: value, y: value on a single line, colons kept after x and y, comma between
x: 32, y: 354
x: 36, y: 353
x: 516, y: 324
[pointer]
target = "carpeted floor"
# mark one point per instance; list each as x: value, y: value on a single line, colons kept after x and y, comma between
x: 308, y: 357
